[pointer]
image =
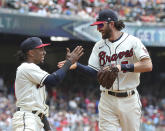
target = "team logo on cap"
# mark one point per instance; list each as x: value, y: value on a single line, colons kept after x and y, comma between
x: 109, y: 19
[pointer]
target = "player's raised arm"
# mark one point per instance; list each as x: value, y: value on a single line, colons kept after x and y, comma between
x: 83, y: 68
x: 71, y: 57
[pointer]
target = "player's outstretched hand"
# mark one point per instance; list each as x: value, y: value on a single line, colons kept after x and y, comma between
x: 61, y: 63
x: 75, y: 55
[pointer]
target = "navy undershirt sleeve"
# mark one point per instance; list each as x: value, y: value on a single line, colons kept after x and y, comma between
x: 56, y: 77
x: 87, y: 70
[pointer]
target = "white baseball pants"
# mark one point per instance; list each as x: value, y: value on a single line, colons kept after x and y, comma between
x: 26, y: 121
x: 115, y: 112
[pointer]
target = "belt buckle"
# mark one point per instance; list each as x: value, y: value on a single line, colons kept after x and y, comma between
x: 115, y: 94
x: 129, y: 93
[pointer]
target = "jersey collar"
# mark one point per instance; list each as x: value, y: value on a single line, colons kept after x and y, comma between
x: 117, y: 38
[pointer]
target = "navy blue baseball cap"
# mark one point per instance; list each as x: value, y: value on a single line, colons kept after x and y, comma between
x: 105, y: 15
x: 31, y: 43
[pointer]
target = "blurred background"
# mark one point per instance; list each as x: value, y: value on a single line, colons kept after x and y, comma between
x: 66, y: 23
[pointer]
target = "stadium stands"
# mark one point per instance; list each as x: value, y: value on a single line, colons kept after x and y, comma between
x: 80, y: 112
x: 128, y: 10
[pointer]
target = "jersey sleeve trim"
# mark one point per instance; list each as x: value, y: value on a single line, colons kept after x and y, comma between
x: 43, y: 79
x: 144, y: 56
x: 93, y: 67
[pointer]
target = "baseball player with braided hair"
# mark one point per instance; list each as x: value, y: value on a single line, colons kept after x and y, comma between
x: 117, y: 60
x: 31, y: 82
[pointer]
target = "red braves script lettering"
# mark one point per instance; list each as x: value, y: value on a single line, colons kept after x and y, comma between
x: 104, y: 58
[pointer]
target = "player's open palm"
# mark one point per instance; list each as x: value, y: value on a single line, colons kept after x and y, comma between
x: 75, y: 55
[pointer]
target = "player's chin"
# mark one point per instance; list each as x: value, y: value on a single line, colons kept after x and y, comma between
x: 42, y: 60
x: 105, y: 37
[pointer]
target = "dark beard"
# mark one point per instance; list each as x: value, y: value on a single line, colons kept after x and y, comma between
x: 107, y: 33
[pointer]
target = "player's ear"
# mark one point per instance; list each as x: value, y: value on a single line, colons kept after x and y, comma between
x: 30, y: 53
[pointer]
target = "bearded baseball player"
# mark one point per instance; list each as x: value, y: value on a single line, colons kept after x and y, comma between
x: 117, y: 60
x: 31, y: 82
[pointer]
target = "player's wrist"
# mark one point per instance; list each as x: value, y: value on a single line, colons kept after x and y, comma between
x: 73, y: 66
x: 66, y: 65
x: 127, y: 67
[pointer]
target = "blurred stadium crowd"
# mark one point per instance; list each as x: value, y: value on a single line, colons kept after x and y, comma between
x: 72, y: 110
x: 65, y: 114
x: 128, y: 10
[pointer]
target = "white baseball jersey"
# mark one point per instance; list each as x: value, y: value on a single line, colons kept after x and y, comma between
x: 29, y: 89
x: 127, y: 50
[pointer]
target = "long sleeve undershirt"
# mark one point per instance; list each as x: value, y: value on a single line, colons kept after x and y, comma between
x: 87, y: 70
x: 56, y: 77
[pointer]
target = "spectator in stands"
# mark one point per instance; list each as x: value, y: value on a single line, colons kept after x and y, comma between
x: 128, y: 10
